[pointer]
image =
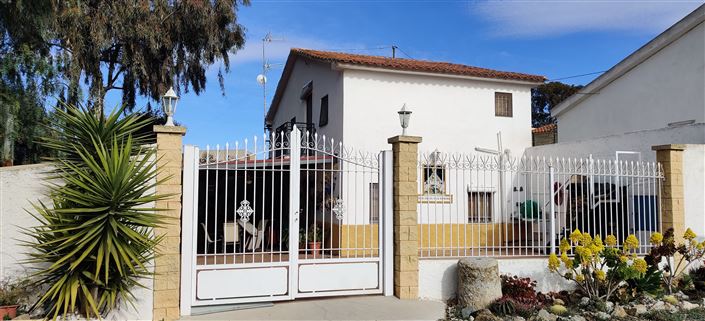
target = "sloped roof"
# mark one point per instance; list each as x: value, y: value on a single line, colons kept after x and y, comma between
x: 393, y: 64
x: 414, y: 65
x: 544, y: 129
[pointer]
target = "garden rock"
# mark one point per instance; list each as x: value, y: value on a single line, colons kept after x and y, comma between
x: 685, y: 305
x: 682, y: 296
x: 577, y: 318
x: 637, y: 309
x: 609, y: 305
x: 486, y: 315
x: 584, y: 301
x: 515, y: 318
x: 670, y: 299
x: 467, y: 311
x: 558, y: 309
x: 478, y: 282
x: 618, y: 312
x: 602, y: 316
x: 546, y: 316
x: 22, y: 317
x: 658, y: 306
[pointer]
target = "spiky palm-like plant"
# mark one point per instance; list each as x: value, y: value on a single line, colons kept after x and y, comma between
x: 96, y: 238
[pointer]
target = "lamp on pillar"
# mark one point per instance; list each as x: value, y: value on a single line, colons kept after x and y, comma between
x: 404, y: 116
x: 169, y: 101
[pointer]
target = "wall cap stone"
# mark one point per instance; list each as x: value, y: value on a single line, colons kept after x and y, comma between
x: 169, y: 129
x: 404, y: 139
x: 669, y: 147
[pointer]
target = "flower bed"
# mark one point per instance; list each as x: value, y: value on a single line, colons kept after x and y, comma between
x: 613, y: 283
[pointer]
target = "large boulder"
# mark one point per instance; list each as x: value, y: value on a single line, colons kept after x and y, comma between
x: 478, y: 282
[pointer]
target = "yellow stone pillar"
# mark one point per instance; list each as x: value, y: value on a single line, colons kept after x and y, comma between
x: 167, y: 264
x: 673, y: 212
x: 405, y: 198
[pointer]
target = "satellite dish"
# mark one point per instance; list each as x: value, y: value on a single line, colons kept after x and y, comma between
x: 261, y: 79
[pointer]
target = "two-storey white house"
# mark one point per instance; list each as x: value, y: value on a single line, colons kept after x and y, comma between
x: 355, y: 98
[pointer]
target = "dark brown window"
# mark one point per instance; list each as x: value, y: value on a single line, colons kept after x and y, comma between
x: 480, y: 207
x: 503, y: 104
x: 323, y: 117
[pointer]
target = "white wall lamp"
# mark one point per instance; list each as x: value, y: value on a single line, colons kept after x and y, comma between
x: 169, y: 101
x: 404, y: 117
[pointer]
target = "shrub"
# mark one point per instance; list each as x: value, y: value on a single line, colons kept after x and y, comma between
x: 598, y: 268
x: 665, y: 249
x: 520, y: 289
x: 96, y: 237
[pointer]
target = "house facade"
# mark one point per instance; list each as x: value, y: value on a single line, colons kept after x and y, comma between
x: 355, y: 98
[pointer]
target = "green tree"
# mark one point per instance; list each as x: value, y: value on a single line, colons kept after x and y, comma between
x: 141, y: 47
x: 547, y: 96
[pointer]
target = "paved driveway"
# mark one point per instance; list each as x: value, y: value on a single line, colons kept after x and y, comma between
x: 344, y: 308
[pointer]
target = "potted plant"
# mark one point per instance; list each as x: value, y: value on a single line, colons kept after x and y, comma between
x: 12, y: 294
x: 307, y: 238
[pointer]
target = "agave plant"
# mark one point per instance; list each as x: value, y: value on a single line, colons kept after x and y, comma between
x: 96, y: 238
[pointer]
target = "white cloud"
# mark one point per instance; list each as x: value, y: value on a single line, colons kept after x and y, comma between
x: 551, y: 18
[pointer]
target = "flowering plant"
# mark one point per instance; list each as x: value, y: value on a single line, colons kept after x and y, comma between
x: 597, y: 268
x: 665, y: 249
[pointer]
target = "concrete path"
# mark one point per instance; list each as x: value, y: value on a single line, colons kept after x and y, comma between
x: 344, y: 308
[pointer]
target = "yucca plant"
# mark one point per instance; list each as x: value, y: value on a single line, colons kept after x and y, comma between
x: 96, y: 238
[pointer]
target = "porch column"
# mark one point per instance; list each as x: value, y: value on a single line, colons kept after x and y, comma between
x: 405, y: 197
x: 167, y: 264
x: 673, y: 211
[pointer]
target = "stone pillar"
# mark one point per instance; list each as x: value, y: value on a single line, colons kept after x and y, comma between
x: 673, y: 210
x: 167, y: 264
x: 405, y: 198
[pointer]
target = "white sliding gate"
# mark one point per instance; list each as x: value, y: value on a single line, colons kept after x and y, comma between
x: 295, y: 215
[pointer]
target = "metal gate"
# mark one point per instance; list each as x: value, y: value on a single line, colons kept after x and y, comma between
x: 281, y: 217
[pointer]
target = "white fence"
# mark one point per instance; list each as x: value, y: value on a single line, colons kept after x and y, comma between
x: 487, y: 205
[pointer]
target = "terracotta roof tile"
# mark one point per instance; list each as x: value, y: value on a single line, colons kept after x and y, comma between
x: 544, y: 129
x: 415, y: 65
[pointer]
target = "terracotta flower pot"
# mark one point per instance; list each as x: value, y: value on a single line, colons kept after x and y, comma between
x: 315, y: 248
x: 9, y: 310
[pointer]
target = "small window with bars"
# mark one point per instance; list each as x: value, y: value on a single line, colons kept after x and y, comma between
x: 323, y: 117
x: 480, y: 207
x: 503, y: 104
x: 374, y: 203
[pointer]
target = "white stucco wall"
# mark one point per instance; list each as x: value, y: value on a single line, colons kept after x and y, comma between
x: 642, y: 141
x: 438, y: 277
x: 325, y: 82
x: 19, y: 187
x: 667, y: 87
x: 452, y: 115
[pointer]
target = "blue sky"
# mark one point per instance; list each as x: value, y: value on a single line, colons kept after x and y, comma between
x: 552, y: 38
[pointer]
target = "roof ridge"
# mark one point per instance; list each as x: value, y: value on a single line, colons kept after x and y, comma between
x: 441, y: 67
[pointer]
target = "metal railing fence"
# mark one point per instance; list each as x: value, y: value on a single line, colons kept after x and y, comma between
x: 494, y: 205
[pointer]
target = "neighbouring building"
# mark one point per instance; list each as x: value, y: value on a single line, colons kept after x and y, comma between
x: 544, y: 135
x: 655, y: 96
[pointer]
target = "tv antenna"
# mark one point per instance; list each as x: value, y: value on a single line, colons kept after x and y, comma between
x: 262, y: 78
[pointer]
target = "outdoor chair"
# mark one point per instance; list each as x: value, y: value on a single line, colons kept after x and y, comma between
x: 256, y: 234
x: 210, y: 242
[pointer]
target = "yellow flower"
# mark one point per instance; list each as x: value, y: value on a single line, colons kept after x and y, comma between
x: 623, y: 259
x: 689, y: 234
x: 565, y: 258
x: 610, y: 240
x: 639, y: 265
x: 701, y: 245
x: 553, y: 262
x: 656, y: 238
x: 576, y: 236
x: 631, y: 242
x: 586, y: 238
x: 600, y: 275
x: 564, y: 246
x: 579, y: 278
